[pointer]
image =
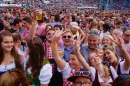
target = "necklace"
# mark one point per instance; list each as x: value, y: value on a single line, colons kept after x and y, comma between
x: 10, y: 62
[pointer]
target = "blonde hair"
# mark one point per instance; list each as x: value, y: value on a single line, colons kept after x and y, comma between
x: 112, y: 49
x: 68, y: 31
x: 93, y: 23
x: 100, y: 25
x: 106, y: 70
x: 112, y: 44
x: 105, y: 67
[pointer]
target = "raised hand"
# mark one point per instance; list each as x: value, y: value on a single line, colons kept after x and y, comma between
x: 57, y: 34
x: 35, y: 13
x: 117, y: 41
x: 77, y: 43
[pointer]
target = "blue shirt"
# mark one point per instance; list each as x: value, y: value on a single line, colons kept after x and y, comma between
x: 56, y: 23
x: 85, y: 51
x: 67, y: 52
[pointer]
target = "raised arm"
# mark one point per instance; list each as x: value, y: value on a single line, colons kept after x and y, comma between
x: 33, y: 29
x: 120, y: 44
x: 79, y: 56
x: 59, y: 61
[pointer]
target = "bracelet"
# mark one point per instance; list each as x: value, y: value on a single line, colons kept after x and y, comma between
x: 54, y: 46
x: 33, y: 23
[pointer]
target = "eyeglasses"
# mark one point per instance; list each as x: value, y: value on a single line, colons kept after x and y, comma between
x: 82, y: 83
x: 125, y: 76
x: 66, y: 36
x: 93, y: 33
x: 50, y: 33
x: 78, y: 73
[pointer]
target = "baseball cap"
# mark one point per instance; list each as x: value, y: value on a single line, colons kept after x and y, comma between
x: 82, y: 73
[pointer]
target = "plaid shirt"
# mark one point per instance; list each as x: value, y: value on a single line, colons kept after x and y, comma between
x: 47, y: 48
x: 49, y: 56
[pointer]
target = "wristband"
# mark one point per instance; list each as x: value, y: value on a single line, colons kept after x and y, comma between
x: 54, y: 46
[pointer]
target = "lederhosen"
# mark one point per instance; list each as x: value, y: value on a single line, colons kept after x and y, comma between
x: 66, y: 82
x: 96, y: 81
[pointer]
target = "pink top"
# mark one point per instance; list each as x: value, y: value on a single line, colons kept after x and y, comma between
x: 26, y: 33
x: 41, y: 30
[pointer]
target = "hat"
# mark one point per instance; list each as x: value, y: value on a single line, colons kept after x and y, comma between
x: 74, y: 24
x: 81, y: 73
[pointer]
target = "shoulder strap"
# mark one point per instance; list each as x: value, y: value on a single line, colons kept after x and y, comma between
x: 96, y: 81
x: 119, y: 69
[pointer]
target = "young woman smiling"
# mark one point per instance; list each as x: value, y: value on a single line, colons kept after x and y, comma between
x: 122, y: 66
x: 66, y: 68
x: 9, y: 57
x: 101, y: 73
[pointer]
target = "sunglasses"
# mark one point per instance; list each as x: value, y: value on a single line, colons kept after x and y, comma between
x: 66, y: 36
x: 50, y: 33
x: 78, y: 73
x: 93, y: 33
x: 124, y: 76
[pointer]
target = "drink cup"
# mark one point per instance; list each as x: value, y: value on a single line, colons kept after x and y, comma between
x: 39, y: 16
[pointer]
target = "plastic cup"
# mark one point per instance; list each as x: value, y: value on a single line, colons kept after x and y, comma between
x: 39, y: 17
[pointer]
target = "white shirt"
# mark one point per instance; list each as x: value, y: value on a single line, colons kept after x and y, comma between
x: 99, y: 78
x: 45, y: 72
x: 66, y: 71
x: 123, y: 71
x: 22, y: 56
x: 4, y: 68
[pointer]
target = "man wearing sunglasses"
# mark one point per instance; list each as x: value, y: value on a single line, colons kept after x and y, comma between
x: 67, y: 46
x: 81, y: 78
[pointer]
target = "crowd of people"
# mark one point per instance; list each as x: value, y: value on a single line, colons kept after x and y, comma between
x: 64, y: 47
x: 113, y: 4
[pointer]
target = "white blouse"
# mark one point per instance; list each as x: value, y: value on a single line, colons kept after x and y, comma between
x: 99, y: 78
x: 4, y: 68
x: 123, y: 71
x: 45, y: 72
x: 66, y: 71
